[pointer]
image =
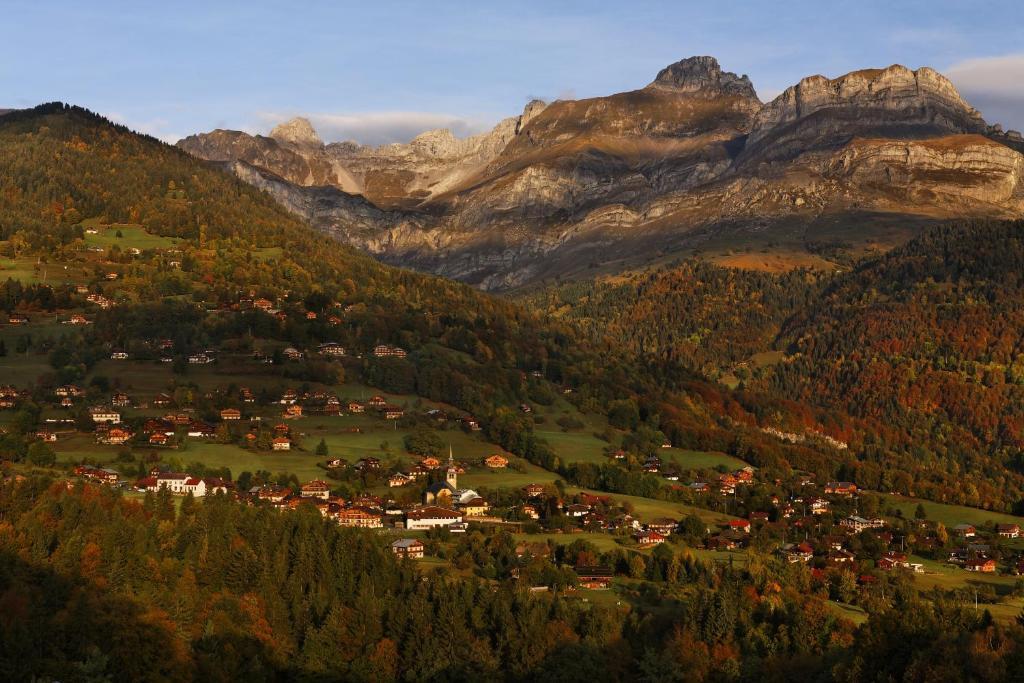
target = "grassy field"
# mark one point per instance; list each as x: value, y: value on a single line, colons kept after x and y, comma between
x: 701, y: 460
x: 950, y: 515
x: 23, y: 269
x: 603, y: 542
x: 132, y: 237
x: 852, y: 612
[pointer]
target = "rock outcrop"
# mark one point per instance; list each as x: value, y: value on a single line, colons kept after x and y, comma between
x: 692, y: 159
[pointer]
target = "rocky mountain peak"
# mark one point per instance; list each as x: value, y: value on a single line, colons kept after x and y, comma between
x: 921, y: 96
x: 703, y: 75
x: 297, y: 131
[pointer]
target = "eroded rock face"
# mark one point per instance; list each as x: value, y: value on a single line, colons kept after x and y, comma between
x: 298, y: 131
x: 586, y: 181
x: 703, y: 75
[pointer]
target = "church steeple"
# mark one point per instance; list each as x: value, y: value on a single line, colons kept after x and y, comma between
x: 451, y: 477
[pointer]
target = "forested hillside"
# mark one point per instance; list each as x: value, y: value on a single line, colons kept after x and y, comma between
x: 97, y: 588
x: 915, y: 358
x: 926, y: 343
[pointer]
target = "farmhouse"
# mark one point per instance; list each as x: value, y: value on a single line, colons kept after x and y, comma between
x: 408, y: 547
x: 282, y: 443
x: 359, y: 517
x: 594, y: 578
x: 859, y: 524
x: 230, y: 414
x: 649, y: 538
x: 496, y: 462
x: 1008, y: 530
x: 316, y: 489
x: 180, y: 483
x: 388, y: 351
x: 984, y: 565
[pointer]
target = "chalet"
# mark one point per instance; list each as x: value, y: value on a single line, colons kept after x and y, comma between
x: 1008, y: 530
x: 120, y: 400
x: 471, y: 424
x: 378, y: 402
x: 114, y: 437
x: 355, y: 407
x: 577, y: 510
x: 893, y: 560
x: 985, y: 565
x: 17, y: 319
x: 310, y: 315
x: 292, y: 412
x: 360, y: 517
x: 430, y: 463
x: 48, y: 436
x: 594, y: 578
x: 393, y: 413
x: 281, y: 443
x: 199, y: 359
x: 649, y: 538
x: 474, y: 507
x: 368, y: 464
x: 388, y: 351
x: 533, y: 490
x: 858, y: 524
x: 841, y: 488
x: 722, y: 542
x: 335, y: 463
x: 525, y: 408
x: 331, y: 349
x: 292, y: 353
x: 841, y: 557
x: 496, y: 462
x: 201, y: 430
x: 965, y: 530
x: 69, y: 390
x: 180, y: 483
x: 316, y: 489
x: 245, y: 393
x: 818, y: 506
x: 333, y: 320
x: 699, y: 487
x: 408, y: 547
x: 399, y: 479
x: 794, y: 553
x: 119, y: 355
x: 102, y: 475
x: 663, y: 525
x: 230, y: 414
x: 162, y: 400
x: 530, y: 512
x: 289, y: 397
x: 741, y: 525
x: 158, y: 439
x: 263, y: 304
x: 78, y: 319
x: 430, y: 517
x: 271, y: 494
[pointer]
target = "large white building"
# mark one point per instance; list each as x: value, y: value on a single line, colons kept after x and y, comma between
x: 430, y: 517
x: 180, y: 483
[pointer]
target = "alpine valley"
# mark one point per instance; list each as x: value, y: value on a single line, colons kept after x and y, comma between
x: 668, y: 385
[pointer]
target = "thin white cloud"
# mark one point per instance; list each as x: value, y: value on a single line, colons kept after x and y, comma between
x: 993, y: 86
x: 378, y: 128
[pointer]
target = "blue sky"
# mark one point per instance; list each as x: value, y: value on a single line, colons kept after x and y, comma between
x: 382, y: 71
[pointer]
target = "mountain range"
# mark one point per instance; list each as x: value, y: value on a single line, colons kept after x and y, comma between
x: 693, y: 162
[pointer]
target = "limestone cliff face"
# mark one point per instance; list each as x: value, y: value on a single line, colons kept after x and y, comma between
x: 691, y: 156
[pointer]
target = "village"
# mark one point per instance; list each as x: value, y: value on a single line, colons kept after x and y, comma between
x: 277, y: 424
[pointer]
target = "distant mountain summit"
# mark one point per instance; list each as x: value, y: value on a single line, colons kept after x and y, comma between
x: 297, y: 131
x: 693, y: 161
x: 703, y: 75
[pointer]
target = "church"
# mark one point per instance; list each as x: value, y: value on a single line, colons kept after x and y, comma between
x: 447, y: 492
